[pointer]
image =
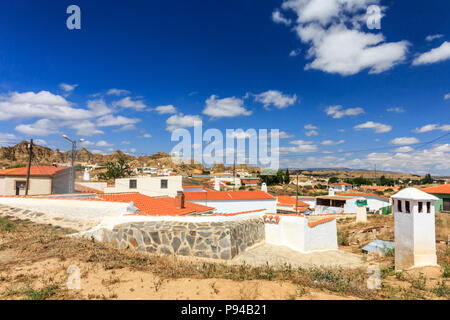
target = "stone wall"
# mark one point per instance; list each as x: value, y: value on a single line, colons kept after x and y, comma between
x: 218, y: 240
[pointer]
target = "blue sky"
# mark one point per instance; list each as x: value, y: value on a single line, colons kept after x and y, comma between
x: 312, y: 69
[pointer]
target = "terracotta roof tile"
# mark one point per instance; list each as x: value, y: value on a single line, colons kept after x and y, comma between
x: 286, y: 201
x: 227, y: 195
x: 442, y: 189
x: 34, y: 171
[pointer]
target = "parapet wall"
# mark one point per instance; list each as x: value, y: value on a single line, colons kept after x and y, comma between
x: 218, y: 240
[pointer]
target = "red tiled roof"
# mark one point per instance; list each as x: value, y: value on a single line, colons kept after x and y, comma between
x: 84, y: 189
x: 287, y: 201
x: 34, y: 171
x: 442, y: 189
x: 340, y: 184
x: 193, y: 187
x: 152, y: 206
x: 227, y: 195
x: 316, y: 223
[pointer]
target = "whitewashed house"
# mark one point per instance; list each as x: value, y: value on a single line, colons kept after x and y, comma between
x: 234, y: 201
x: 150, y: 186
x: 340, y: 187
x: 374, y: 201
x: 415, y: 237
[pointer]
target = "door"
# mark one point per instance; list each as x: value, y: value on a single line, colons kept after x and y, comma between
x: 446, y: 204
x: 20, y: 185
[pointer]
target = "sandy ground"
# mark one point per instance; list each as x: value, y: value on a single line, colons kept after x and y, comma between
x: 98, y: 283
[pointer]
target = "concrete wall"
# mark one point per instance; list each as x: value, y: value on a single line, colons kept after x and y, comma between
x: 150, y: 186
x: 38, y: 186
x: 61, y: 182
x: 349, y: 207
x: 94, y: 185
x: 234, y: 206
x: 294, y: 232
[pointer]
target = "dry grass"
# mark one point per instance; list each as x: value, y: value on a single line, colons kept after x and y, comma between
x: 36, y: 243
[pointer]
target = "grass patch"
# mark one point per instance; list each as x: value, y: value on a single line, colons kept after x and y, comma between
x: 30, y: 293
x: 6, y: 225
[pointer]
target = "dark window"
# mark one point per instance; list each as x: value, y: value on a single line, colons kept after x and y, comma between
x: 399, y: 205
x: 133, y: 184
x: 164, y: 184
x: 407, y: 209
x: 420, y: 207
x: 428, y: 207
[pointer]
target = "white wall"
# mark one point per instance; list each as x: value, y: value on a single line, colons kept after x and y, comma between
x: 150, y: 186
x: 234, y: 206
x: 38, y: 186
x: 349, y: 207
x: 95, y: 185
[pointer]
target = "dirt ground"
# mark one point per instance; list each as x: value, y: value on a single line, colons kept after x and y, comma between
x: 34, y: 260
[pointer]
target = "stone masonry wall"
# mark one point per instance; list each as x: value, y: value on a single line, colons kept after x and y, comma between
x: 218, y: 240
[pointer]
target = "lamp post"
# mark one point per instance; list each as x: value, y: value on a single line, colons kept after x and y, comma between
x: 72, y: 173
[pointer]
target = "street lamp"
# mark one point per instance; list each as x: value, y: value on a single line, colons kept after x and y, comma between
x: 72, y: 173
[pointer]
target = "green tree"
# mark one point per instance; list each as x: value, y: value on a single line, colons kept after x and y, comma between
x: 333, y: 180
x: 428, y: 179
x: 287, y: 177
x: 280, y: 177
x: 115, y: 170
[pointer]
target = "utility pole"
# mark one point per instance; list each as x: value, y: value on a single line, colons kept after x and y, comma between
x: 72, y: 173
x: 30, y: 156
x: 375, y: 173
x: 234, y: 175
x: 296, y: 197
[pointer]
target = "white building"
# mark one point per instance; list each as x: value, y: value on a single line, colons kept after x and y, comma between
x: 150, y: 186
x: 415, y: 239
x: 340, y: 186
x: 374, y: 201
x: 335, y: 204
x: 234, y: 201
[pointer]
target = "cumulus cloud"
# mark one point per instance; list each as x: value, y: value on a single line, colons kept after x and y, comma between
x: 227, y: 107
x: 42, y: 127
x: 447, y: 96
x: 332, y: 143
x: 166, y: 109
x: 295, y: 52
x: 404, y: 141
x: 337, y: 44
x: 301, y: 146
x: 278, y: 17
x: 396, y: 110
x: 311, y: 133
x: 7, y: 138
x: 110, y: 120
x: 276, y: 98
x: 43, y: 104
x: 310, y: 127
x: 85, y: 128
x: 435, y: 55
x: 404, y: 149
x: 180, y: 120
x: 117, y: 92
x: 432, y: 127
x: 432, y: 37
x: 129, y: 103
x: 103, y: 143
x: 68, y: 87
x: 338, y: 112
x: 378, y: 127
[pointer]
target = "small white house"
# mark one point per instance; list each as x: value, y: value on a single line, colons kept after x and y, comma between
x: 415, y: 239
x: 150, y: 186
x: 335, y: 204
x: 340, y: 187
x: 374, y: 201
x: 234, y: 201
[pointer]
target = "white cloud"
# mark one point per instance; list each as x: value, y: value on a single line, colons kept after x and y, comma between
x: 98, y: 107
x: 146, y: 135
x: 126, y: 142
x: 432, y: 127
x: 85, y: 128
x: 68, y: 87
x: 129, y: 103
x: 275, y: 98
x: 311, y: 133
x: 227, y: 107
x: 301, y: 147
x: 404, y: 149
x: 396, y: 110
x: 110, y: 120
x: 117, y: 92
x: 180, y: 120
x: 332, y: 143
x: 439, y: 54
x: 295, y: 52
x: 310, y: 127
x: 432, y: 37
x: 6, y: 138
x: 338, y: 112
x: 404, y: 141
x: 378, y: 127
x: 278, y: 17
x: 284, y: 135
x: 43, y: 104
x: 334, y: 48
x: 166, y: 109
x: 447, y: 96
x: 103, y: 143
x: 42, y: 127
x: 87, y: 143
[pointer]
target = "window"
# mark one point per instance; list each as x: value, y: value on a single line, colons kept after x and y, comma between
x: 420, y: 207
x: 133, y: 184
x: 164, y: 184
x: 428, y: 207
x: 407, y: 209
x: 399, y: 205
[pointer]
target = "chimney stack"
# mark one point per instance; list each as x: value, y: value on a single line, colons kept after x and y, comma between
x: 179, y: 200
